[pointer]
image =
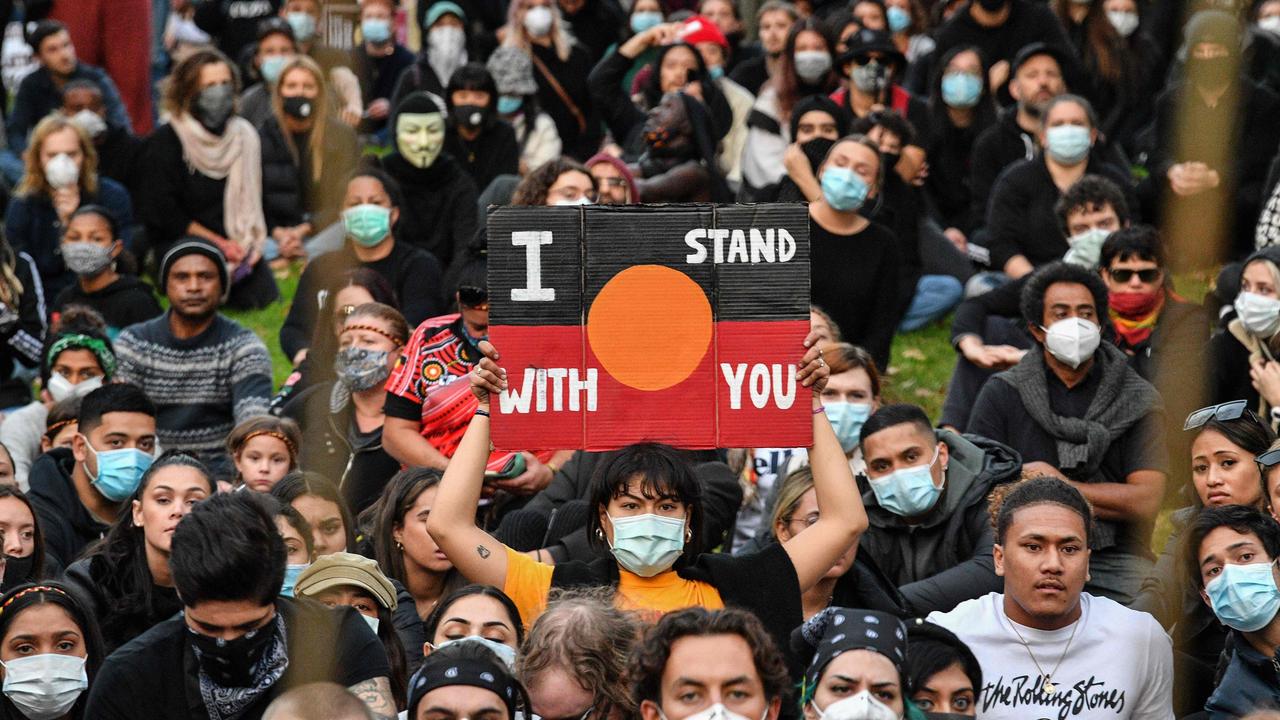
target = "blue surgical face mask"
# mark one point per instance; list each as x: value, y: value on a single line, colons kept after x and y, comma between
x: 509, y: 104
x: 375, y: 30
x: 119, y: 471
x: 716, y: 72
x: 1068, y: 144
x: 372, y: 622
x: 899, y: 19
x: 909, y: 492
x: 847, y: 419
x: 505, y: 652
x: 1244, y: 597
x: 647, y: 544
x: 961, y: 90
x: 271, y: 67
x: 291, y: 573
x: 303, y: 25
x: 843, y: 189
x: 642, y: 21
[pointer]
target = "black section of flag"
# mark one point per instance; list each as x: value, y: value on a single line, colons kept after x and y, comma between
x: 560, y: 265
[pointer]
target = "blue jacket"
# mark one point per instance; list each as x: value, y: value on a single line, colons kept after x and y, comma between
x: 1251, y: 682
x: 38, y: 96
x: 31, y: 225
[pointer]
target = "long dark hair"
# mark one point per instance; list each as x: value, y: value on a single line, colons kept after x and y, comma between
x: 401, y: 492
x: 118, y: 564
x: 30, y: 595
x: 786, y: 82
x: 984, y: 112
x: 37, y: 553
x: 300, y: 482
x: 432, y: 623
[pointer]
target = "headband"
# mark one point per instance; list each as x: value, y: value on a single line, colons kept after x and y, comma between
x: 77, y: 341
x: 398, y: 341
x: 293, y: 450
x: 492, y: 676
x: 52, y: 431
x: 27, y: 591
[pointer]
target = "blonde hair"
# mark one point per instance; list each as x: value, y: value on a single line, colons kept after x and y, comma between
x: 34, y: 181
x: 516, y: 36
x: 319, y: 116
x: 789, y: 493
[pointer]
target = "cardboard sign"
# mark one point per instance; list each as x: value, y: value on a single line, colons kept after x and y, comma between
x: 680, y: 324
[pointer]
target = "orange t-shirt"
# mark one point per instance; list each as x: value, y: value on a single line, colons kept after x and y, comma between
x: 529, y: 582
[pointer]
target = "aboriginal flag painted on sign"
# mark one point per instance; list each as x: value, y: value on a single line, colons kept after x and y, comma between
x: 680, y: 324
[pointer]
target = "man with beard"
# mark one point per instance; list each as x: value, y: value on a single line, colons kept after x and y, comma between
x: 678, y: 164
x: 1036, y: 79
x: 205, y: 372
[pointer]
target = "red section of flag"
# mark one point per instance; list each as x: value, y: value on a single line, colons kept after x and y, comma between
x: 764, y: 356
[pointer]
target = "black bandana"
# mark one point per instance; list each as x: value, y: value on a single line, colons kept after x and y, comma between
x: 836, y: 629
x: 444, y: 668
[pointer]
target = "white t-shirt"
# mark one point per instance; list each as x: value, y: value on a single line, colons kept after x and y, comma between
x: 1119, y: 665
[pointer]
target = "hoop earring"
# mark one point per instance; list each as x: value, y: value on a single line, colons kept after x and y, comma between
x: 600, y: 533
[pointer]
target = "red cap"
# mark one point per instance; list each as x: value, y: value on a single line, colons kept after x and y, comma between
x: 700, y: 29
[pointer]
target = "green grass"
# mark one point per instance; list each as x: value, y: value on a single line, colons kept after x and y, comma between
x: 266, y: 323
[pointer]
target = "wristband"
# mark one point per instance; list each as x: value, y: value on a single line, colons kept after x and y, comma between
x: 822, y: 410
x: 482, y: 411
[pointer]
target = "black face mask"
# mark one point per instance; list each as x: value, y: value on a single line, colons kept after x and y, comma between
x: 992, y: 5
x: 471, y: 116
x: 17, y: 570
x: 297, y: 106
x: 889, y: 160
x: 230, y: 663
x: 213, y: 107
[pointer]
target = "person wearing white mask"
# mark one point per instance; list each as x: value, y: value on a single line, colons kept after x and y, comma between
x: 118, y: 148
x: 930, y: 532
x: 61, y: 175
x: 560, y: 67
x: 857, y: 668
x: 46, y: 674
x: 1244, y: 353
x: 1268, y: 16
x: 1074, y: 409
x: 75, y: 363
x: 444, y: 49
x: 700, y: 664
x: 1046, y: 643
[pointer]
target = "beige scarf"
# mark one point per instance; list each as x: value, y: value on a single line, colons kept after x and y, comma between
x: 234, y: 156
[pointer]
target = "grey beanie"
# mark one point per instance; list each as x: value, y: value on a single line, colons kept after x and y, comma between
x: 512, y: 71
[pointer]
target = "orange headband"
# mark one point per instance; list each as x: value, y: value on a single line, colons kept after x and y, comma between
x: 293, y: 450
x: 33, y: 588
x: 398, y: 342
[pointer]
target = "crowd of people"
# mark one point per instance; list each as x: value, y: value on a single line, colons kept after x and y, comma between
x: 184, y: 537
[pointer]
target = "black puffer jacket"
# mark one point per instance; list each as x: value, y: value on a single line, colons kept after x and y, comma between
x: 947, y: 558
x: 289, y: 195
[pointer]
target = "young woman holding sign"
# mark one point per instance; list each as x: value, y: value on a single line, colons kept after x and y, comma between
x: 648, y: 510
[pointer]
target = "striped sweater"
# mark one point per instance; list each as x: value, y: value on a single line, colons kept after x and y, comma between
x: 202, y: 386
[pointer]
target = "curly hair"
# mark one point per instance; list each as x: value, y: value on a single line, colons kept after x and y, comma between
x: 1038, y: 283
x: 584, y: 633
x: 532, y: 190
x: 650, y: 659
x: 184, y: 81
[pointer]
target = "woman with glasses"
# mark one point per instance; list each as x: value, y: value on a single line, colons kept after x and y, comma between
x: 563, y: 181
x: 1228, y: 443
x: 370, y: 212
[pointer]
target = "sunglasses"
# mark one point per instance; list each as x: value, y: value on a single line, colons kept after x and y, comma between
x: 473, y: 296
x: 1268, y: 459
x: 1123, y: 275
x: 1224, y: 412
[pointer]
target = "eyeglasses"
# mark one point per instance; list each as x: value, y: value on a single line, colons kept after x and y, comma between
x: 475, y: 297
x: 571, y: 194
x: 1223, y: 412
x: 614, y: 182
x: 1124, y: 275
x: 808, y: 520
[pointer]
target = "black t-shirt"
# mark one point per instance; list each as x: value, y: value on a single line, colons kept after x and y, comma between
x: 856, y: 279
x: 154, y: 676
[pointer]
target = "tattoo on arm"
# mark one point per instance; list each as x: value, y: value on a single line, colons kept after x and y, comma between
x: 483, y: 552
x: 375, y: 693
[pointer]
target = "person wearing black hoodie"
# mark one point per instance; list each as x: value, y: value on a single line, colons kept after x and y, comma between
x: 596, y: 24
x: 1001, y: 28
x: 679, y: 161
x: 92, y: 249
x: 77, y: 490
x: 439, y: 214
x: 484, y: 143
x: 958, y: 117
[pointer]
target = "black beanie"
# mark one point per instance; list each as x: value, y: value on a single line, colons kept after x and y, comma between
x: 198, y: 246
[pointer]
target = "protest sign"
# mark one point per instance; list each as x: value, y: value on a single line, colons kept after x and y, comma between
x: 680, y: 324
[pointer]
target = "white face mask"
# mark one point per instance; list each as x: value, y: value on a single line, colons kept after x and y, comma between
x: 857, y: 707
x: 372, y: 622
x: 45, y: 686
x: 580, y: 201
x: 1259, y: 314
x: 90, y: 121
x: 1072, y: 340
x: 1270, y: 24
x: 61, y: 171
x: 61, y: 388
x: 506, y: 653
x: 716, y: 712
x: 1124, y: 22
x: 537, y: 20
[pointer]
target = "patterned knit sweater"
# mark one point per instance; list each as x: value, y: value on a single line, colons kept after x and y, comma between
x: 202, y: 386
